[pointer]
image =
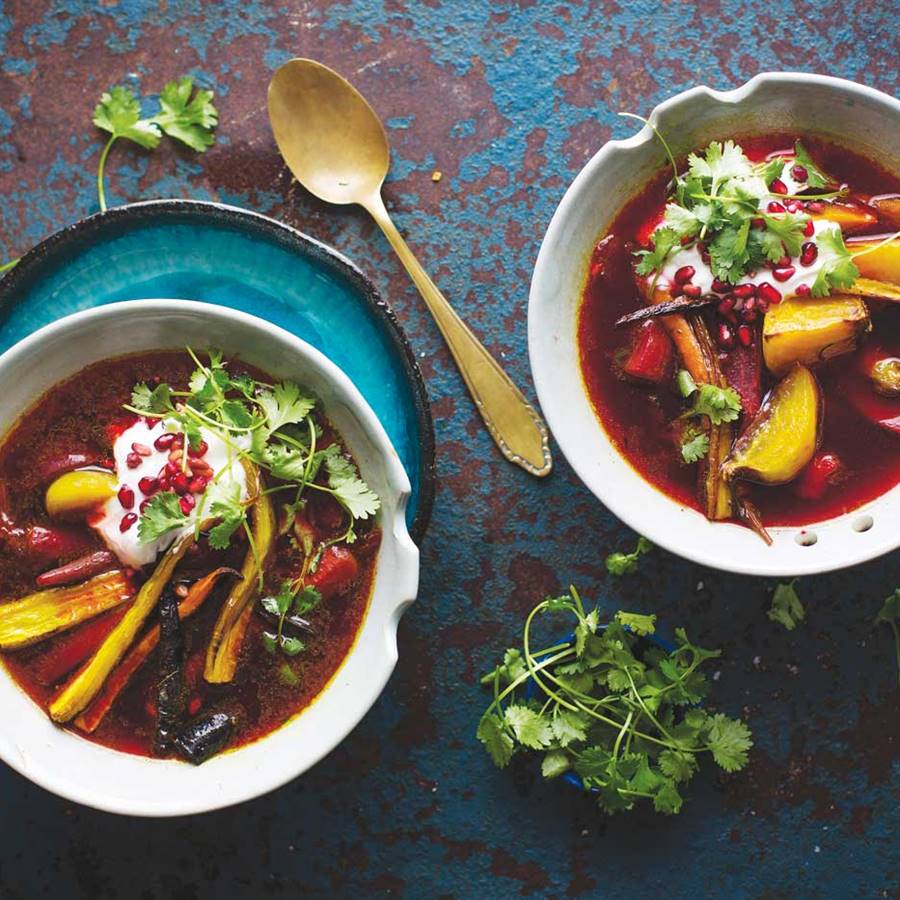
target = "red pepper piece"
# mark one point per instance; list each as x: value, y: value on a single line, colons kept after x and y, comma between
x: 651, y: 356
x: 823, y: 470
x: 337, y: 569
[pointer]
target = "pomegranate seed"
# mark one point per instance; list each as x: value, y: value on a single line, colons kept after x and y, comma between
x: 823, y: 470
x: 704, y: 255
x: 725, y: 336
x: 175, y: 455
x: 180, y: 483
x: 200, y: 451
x: 197, y: 485
x: 141, y: 449
x: 778, y: 187
x: 164, y: 483
x: 799, y: 173
x: 782, y: 262
x: 171, y: 469
x: 725, y: 306
x: 816, y: 206
x: 144, y: 504
x: 758, y: 222
x: 745, y: 290
x: 675, y: 290
x: 745, y: 335
x: 720, y: 287
x: 808, y: 253
x: 761, y: 305
x: 127, y: 521
x: 187, y: 503
x: 767, y: 292
x: 793, y: 206
x: 775, y: 207
x: 809, y: 229
x: 148, y: 486
x: 126, y: 496
x: 783, y: 273
x: 803, y: 290
x: 684, y: 274
x: 164, y: 441
x: 197, y: 465
x: 132, y: 460
x: 701, y: 247
x: 692, y: 290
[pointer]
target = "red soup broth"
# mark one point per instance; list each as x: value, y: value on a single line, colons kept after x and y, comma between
x: 637, y: 418
x: 81, y: 415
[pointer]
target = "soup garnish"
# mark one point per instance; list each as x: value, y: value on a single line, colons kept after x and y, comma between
x: 210, y: 546
x: 749, y: 282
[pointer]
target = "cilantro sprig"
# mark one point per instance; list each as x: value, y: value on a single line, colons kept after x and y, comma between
x: 620, y: 712
x: 185, y: 115
x: 627, y: 563
x: 289, y: 599
x: 889, y: 615
x: 719, y: 405
x: 273, y: 427
x: 787, y: 608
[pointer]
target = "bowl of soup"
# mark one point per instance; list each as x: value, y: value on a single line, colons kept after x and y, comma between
x: 714, y: 326
x: 204, y: 557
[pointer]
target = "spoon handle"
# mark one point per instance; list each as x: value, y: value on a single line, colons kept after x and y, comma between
x: 512, y: 421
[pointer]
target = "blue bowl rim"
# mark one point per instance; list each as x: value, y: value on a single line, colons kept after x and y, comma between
x: 15, y: 282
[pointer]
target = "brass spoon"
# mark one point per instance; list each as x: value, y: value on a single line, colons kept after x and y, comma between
x: 336, y: 147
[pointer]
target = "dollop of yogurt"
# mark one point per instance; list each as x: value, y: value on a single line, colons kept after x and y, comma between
x: 139, y: 463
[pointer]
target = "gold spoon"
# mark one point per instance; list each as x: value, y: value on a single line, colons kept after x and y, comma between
x: 336, y: 147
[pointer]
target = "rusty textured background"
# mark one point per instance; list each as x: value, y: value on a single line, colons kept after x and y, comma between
x: 507, y: 100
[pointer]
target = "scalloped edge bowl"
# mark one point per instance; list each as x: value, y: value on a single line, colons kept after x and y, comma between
x: 796, y: 102
x: 77, y: 769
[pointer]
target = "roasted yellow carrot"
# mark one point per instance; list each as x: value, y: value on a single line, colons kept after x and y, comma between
x: 45, y: 613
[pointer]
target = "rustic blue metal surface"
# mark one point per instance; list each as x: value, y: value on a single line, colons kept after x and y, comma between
x: 507, y: 100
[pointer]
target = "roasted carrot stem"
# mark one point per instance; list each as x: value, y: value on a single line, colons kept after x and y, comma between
x: 231, y: 626
x: 45, y: 613
x: 91, y: 718
x: 88, y: 681
x: 78, y: 569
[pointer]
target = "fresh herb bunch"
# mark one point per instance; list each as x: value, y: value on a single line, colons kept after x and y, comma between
x: 721, y: 199
x: 270, y: 426
x: 618, y: 712
x: 708, y: 401
x: 184, y: 115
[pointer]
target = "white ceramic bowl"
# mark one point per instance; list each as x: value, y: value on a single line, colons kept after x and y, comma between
x: 781, y: 101
x: 83, y: 771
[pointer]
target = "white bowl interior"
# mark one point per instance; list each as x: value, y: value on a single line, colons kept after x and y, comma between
x: 861, y: 117
x: 88, y: 773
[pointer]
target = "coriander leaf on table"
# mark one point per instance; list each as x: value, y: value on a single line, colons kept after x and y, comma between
x: 162, y: 514
x: 729, y: 740
x: 627, y: 563
x: 492, y: 733
x: 786, y: 606
x: 889, y: 615
x: 185, y: 118
x: 639, y: 624
x: 119, y: 113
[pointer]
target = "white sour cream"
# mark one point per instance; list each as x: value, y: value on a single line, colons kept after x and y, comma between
x: 222, y: 459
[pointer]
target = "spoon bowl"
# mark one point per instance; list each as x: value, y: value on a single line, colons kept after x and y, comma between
x: 329, y: 136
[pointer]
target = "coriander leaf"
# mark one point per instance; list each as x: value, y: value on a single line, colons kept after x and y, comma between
x: 555, y: 762
x: 592, y: 762
x: 889, y: 614
x: 695, y: 446
x: 307, y: 599
x: 286, y: 404
x: 119, y: 113
x: 682, y: 221
x: 529, y: 727
x: 284, y: 462
x: 280, y: 603
x: 667, y: 800
x: 352, y: 492
x: 270, y: 642
x: 492, y: 733
x: 627, y: 563
x: 677, y: 765
x: 568, y: 725
x: 639, y: 624
x: 685, y: 383
x: 788, y: 228
x: 159, y: 400
x: 162, y: 514
x: 512, y: 667
x: 236, y: 414
x: 838, y: 271
x: 227, y: 507
x: 771, y: 169
x: 286, y: 675
x: 814, y: 176
x: 190, y: 120
x: 729, y: 740
x: 719, y: 405
x: 728, y: 252
x: 291, y: 645
x: 664, y: 241
x: 786, y: 606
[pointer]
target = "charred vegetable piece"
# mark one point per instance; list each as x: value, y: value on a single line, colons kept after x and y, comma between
x: 875, y: 290
x: 743, y: 367
x: 651, y: 357
x: 41, y: 544
x: 812, y: 331
x: 87, y: 683
x: 52, y: 468
x: 336, y: 571
x: 91, y: 718
x: 783, y: 436
x: 666, y: 308
x: 76, y: 493
x: 171, y: 698
x: 885, y: 376
x: 888, y: 209
x: 880, y: 262
x: 205, y: 737
x: 852, y: 217
x: 78, y: 570
x: 230, y: 627
x: 41, y: 615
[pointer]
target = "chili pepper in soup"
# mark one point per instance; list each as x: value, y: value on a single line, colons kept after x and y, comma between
x: 187, y: 553
x: 739, y: 331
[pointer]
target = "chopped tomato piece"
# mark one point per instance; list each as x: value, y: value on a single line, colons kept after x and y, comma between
x: 651, y: 356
